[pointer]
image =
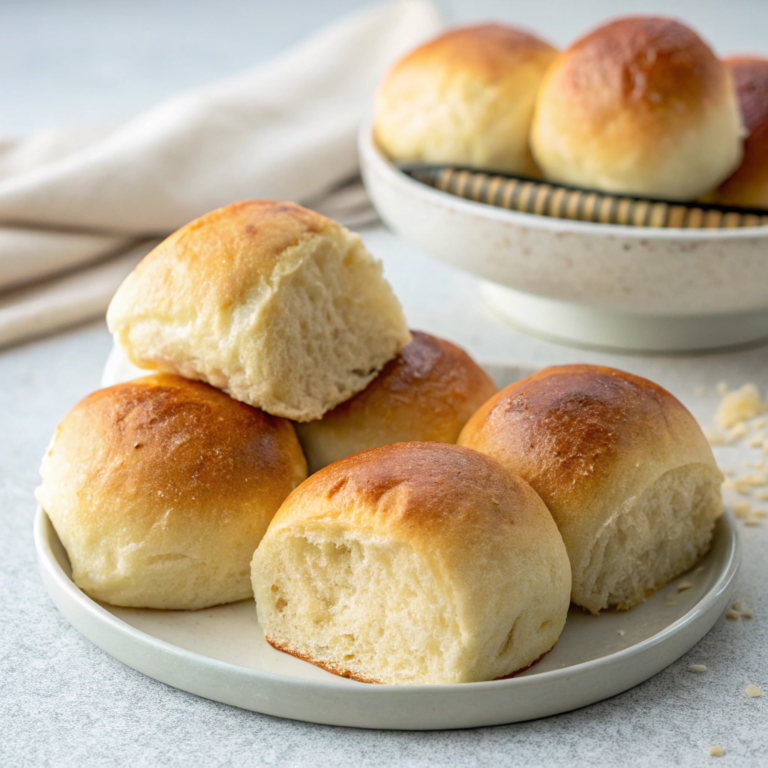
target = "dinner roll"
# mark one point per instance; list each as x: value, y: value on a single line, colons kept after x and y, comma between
x: 640, y: 106
x: 277, y: 305
x: 623, y: 467
x: 748, y: 187
x: 160, y: 490
x: 413, y: 563
x: 428, y: 392
x: 465, y: 98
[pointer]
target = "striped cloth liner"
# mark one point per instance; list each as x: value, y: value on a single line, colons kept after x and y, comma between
x: 560, y: 202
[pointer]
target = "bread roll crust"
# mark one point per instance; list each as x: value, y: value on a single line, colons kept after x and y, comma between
x: 748, y: 186
x: 254, y: 236
x: 427, y: 393
x: 487, y: 554
x: 591, y: 440
x: 254, y: 298
x: 464, y: 98
x: 488, y: 51
x: 161, y: 488
x: 639, y: 106
x: 225, y: 252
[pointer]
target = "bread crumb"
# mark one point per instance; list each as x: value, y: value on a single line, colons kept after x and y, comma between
x: 714, y: 437
x: 684, y: 585
x: 756, y: 442
x: 741, y: 487
x: 739, y: 431
x: 699, y: 390
x: 757, y: 479
x: 743, y: 610
x: 760, y: 423
x: 753, y: 691
x: 728, y: 484
x: 741, y: 509
x: 728, y: 472
x: 762, y: 495
x: 699, y: 569
x: 754, y: 464
x: 669, y: 601
x: 741, y: 404
x: 715, y: 751
x: 620, y: 632
x: 732, y: 615
x: 722, y: 388
x: 697, y: 667
x: 752, y: 521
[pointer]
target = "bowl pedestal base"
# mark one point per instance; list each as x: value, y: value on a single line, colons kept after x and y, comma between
x: 583, y: 326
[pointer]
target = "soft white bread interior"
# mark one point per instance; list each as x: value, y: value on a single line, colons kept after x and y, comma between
x: 427, y: 393
x: 160, y: 490
x: 622, y: 466
x: 282, y: 308
x: 465, y: 98
x: 640, y: 106
x: 413, y: 563
x: 748, y: 187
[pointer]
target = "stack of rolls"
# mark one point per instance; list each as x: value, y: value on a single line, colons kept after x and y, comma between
x: 640, y: 106
x: 259, y: 320
x: 278, y: 350
x: 257, y: 313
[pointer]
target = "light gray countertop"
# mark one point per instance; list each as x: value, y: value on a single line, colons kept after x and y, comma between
x: 64, y: 702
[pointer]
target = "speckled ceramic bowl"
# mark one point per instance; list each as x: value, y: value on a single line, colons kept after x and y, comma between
x: 635, y: 288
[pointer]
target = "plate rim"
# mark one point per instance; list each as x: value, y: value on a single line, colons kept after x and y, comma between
x: 51, y: 568
x: 371, y: 155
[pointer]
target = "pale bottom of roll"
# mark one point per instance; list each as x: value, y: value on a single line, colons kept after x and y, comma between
x: 375, y: 611
x: 651, y: 540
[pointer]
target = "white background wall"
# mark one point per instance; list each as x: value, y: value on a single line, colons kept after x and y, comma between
x: 77, y: 61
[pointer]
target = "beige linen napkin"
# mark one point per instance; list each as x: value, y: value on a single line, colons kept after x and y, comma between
x: 79, y: 208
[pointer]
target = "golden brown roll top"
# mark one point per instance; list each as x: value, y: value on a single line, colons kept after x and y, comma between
x: 465, y: 98
x: 427, y: 393
x: 639, y: 106
x: 255, y: 299
x: 413, y: 563
x: 160, y: 490
x: 748, y: 187
x: 622, y: 466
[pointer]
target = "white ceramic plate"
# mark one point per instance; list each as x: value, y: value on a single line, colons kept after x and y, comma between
x: 636, y: 288
x: 220, y: 653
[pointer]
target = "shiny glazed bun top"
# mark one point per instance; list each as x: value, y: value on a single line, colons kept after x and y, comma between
x: 256, y: 299
x: 748, y: 187
x: 465, y: 98
x: 641, y: 106
x: 161, y: 488
x: 623, y: 467
x: 428, y: 392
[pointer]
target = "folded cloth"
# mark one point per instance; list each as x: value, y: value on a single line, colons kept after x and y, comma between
x: 84, y: 204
